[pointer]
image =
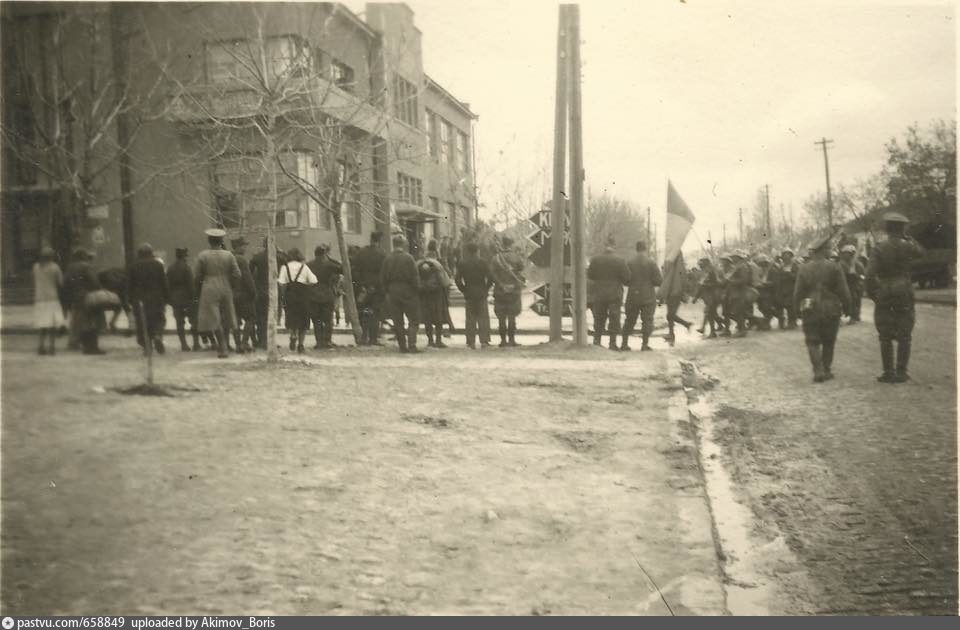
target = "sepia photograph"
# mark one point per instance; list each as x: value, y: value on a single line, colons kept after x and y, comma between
x: 477, y: 308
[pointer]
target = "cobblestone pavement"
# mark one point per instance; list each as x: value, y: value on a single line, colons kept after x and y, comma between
x: 530, y: 481
x: 860, y: 477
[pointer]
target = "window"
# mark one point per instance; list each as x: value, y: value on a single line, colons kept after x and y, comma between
x: 465, y: 213
x: 352, y: 212
x: 286, y: 219
x: 452, y: 214
x: 435, y: 205
x: 342, y: 75
x: 239, y: 60
x: 405, y: 101
x: 433, y: 135
x: 461, y: 153
x: 444, y: 141
x: 409, y: 190
x: 241, y: 191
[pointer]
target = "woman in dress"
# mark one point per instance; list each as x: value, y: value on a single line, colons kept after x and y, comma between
x: 434, y: 285
x: 47, y: 310
x: 295, y: 279
x: 216, y: 270
x: 86, y: 321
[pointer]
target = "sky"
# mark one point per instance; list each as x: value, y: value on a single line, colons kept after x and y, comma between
x: 720, y: 97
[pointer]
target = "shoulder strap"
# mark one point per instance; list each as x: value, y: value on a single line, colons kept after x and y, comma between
x: 299, y: 271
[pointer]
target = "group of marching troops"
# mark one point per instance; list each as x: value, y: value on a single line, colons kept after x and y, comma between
x: 741, y: 292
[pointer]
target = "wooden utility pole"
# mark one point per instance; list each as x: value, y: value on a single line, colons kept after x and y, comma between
x: 826, y: 167
x: 769, y: 231
x: 576, y: 181
x: 724, y: 235
x: 557, y: 212
x: 648, y: 226
x: 740, y: 226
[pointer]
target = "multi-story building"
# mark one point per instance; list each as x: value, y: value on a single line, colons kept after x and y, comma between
x: 201, y: 96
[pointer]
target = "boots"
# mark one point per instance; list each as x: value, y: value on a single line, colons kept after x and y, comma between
x: 827, y: 361
x: 429, y: 329
x: 816, y: 360
x: 903, y: 359
x: 412, y: 340
x: 645, y: 347
x: 886, y: 357
x: 613, y: 342
x: 222, y: 346
x: 438, y: 340
x: 512, y: 332
x: 625, y: 345
x: 597, y: 339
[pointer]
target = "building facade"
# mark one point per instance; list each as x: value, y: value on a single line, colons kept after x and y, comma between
x: 224, y: 114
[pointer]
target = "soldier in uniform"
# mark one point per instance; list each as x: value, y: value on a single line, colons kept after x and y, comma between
x: 507, y: 269
x: 784, y: 284
x: 370, y: 296
x: 890, y: 286
x: 739, y: 281
x: 474, y: 279
x: 244, y: 299
x: 609, y: 274
x: 645, y: 277
x: 766, y: 298
x: 708, y: 290
x: 400, y: 278
x: 854, y: 272
x: 820, y: 296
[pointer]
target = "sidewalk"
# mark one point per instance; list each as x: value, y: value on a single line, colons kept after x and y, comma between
x: 523, y: 481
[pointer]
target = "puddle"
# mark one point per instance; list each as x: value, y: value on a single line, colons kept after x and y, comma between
x: 748, y: 592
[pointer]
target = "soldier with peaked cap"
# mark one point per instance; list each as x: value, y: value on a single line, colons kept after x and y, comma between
x: 609, y: 274
x: 890, y: 286
x: 820, y: 296
x: 370, y: 302
x: 216, y: 271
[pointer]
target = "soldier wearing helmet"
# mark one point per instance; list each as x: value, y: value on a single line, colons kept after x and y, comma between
x: 854, y: 272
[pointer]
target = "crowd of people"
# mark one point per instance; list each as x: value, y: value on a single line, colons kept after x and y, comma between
x: 741, y: 292
x: 223, y: 294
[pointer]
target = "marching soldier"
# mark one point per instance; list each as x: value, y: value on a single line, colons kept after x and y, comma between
x: 854, y: 272
x: 766, y: 298
x: 820, y: 296
x: 890, y: 286
x: 609, y: 274
x: 709, y: 290
x: 739, y: 281
x: 645, y: 277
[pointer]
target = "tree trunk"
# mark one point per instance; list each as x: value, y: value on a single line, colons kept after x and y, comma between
x: 350, y: 299
x: 272, y: 354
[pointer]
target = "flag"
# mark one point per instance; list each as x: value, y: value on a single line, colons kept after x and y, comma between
x: 679, y: 222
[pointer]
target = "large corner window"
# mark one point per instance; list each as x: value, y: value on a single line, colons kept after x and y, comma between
x: 241, y: 187
x: 342, y: 75
x: 240, y: 60
x: 406, y: 101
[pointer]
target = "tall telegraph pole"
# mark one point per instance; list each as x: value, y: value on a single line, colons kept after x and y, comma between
x: 576, y: 181
x: 823, y: 142
x: 557, y: 218
x: 767, y: 190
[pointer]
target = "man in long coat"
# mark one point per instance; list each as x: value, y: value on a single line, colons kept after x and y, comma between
x: 820, y: 296
x: 645, y: 277
x: 371, y: 295
x: 182, y: 299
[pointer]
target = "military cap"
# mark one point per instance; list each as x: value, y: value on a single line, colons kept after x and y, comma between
x: 895, y: 217
x: 238, y: 242
x: 725, y: 257
x: 215, y: 233
x: 738, y: 254
x: 761, y: 258
x: 787, y: 250
x: 181, y: 252
x: 848, y: 249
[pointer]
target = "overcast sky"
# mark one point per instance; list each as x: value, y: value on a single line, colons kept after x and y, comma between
x: 721, y: 97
